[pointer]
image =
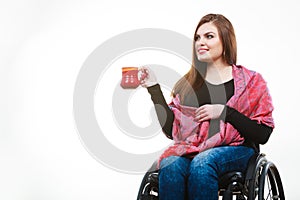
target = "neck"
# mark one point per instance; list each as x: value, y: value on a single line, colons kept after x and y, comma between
x: 218, y: 72
x: 221, y: 65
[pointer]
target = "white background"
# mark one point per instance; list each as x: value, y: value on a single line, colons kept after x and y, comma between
x: 43, y: 45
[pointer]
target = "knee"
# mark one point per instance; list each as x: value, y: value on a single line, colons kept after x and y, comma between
x: 202, y: 161
x: 174, y: 165
x: 203, y: 179
x: 202, y: 167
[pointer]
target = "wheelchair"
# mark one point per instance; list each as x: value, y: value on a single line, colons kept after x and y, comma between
x: 261, y: 181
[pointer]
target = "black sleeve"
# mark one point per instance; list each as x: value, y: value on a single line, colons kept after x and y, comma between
x: 164, y: 113
x: 249, y: 129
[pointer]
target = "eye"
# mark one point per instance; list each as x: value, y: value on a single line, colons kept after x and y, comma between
x: 196, y: 38
x: 210, y: 36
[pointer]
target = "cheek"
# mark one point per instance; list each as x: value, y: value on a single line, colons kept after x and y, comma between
x: 217, y: 48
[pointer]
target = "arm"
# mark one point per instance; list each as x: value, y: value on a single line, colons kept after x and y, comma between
x: 164, y: 113
x: 249, y: 129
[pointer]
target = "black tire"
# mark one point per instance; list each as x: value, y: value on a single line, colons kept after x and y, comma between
x: 253, y: 184
x: 270, y: 185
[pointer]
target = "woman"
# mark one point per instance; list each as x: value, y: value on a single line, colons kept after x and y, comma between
x: 219, y: 115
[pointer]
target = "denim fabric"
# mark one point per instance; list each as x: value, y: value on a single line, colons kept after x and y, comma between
x: 182, y: 178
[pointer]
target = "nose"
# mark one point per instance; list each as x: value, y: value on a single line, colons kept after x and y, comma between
x: 199, y: 42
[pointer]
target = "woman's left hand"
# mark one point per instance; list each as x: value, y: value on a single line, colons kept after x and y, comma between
x: 208, y: 112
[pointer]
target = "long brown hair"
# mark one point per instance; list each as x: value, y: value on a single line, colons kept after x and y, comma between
x: 195, y: 76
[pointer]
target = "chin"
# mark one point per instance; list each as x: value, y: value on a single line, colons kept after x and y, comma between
x: 202, y: 59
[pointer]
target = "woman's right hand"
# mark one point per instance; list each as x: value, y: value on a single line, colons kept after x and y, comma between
x: 147, y: 77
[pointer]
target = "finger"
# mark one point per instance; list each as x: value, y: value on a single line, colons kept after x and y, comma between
x: 143, y: 74
x: 199, y: 117
x: 204, y: 119
x: 142, y: 68
x: 197, y: 112
x: 202, y: 113
x: 143, y: 85
x: 200, y: 109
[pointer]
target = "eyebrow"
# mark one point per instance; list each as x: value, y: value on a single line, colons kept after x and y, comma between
x: 209, y: 32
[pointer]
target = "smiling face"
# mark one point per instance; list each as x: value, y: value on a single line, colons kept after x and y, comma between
x: 208, y: 44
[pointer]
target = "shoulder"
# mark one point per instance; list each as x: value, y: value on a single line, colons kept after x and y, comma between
x: 244, y: 69
x: 247, y: 72
x: 248, y: 76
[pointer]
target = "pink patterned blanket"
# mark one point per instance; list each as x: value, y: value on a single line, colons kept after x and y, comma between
x: 251, y: 98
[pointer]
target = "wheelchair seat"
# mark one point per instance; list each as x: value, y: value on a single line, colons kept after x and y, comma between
x: 261, y: 181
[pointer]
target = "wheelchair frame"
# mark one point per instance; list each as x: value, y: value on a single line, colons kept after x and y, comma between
x: 260, y: 182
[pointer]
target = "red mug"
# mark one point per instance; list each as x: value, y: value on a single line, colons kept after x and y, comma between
x: 130, y: 78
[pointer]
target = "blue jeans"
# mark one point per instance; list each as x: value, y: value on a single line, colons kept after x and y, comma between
x: 183, y: 178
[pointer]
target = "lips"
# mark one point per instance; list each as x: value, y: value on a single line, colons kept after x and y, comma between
x: 202, y: 50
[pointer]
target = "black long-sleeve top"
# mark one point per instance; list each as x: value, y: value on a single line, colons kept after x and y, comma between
x: 253, y: 132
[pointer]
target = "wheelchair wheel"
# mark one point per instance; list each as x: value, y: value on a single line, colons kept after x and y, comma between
x: 270, y: 185
x: 265, y: 183
x: 252, y: 184
x: 149, y: 187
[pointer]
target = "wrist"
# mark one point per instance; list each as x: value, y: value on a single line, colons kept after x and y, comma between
x: 150, y: 84
x: 223, y: 113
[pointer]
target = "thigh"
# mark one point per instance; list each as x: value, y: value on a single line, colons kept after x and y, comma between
x: 175, y: 163
x: 224, y: 159
x: 172, y: 178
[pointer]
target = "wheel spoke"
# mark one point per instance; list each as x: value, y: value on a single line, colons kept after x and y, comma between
x: 269, y: 187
